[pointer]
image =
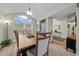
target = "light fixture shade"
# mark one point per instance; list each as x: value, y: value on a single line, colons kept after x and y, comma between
x: 29, y: 12
x: 7, y: 21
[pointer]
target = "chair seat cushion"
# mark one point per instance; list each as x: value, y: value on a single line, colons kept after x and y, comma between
x: 32, y: 51
x: 29, y: 53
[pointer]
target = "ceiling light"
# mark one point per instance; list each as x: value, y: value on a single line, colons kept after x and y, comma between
x: 54, y: 20
x: 7, y: 21
x: 29, y: 11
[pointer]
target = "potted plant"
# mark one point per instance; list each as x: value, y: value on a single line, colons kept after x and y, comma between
x: 5, y: 43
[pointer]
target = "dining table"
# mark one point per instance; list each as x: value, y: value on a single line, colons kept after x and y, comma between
x: 24, y: 42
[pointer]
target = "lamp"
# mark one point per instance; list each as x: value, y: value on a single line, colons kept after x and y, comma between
x: 7, y: 26
x: 7, y: 21
x: 29, y: 11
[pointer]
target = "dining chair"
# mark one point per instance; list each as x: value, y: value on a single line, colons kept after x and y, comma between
x: 21, y: 51
x: 42, y: 45
x: 17, y: 41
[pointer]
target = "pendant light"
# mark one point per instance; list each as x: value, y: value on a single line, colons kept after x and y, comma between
x: 29, y: 11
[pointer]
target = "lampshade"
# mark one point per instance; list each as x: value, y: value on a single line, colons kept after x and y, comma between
x: 29, y: 12
x: 7, y: 21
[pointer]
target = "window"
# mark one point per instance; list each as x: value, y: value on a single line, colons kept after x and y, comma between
x: 23, y: 19
x: 23, y: 24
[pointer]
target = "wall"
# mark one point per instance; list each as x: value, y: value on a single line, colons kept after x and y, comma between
x: 10, y: 18
x: 11, y: 25
x: 63, y: 27
x: 71, y: 26
x: 55, y: 27
x: 49, y: 24
x: 3, y: 30
x: 34, y: 26
x: 77, y: 31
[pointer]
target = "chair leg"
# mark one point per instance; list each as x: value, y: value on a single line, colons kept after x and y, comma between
x: 66, y: 48
x: 47, y: 54
x: 24, y: 52
x: 74, y: 51
x: 18, y: 53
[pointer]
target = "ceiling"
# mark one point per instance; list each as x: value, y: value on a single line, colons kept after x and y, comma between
x: 39, y: 10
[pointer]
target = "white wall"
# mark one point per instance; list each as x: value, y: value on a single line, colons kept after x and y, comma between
x: 49, y: 27
x: 34, y: 26
x: 77, y: 31
x: 11, y: 25
x: 70, y: 29
x: 55, y: 27
x: 3, y: 30
x: 63, y: 27
x: 49, y: 24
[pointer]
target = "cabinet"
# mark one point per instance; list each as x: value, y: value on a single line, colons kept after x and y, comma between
x: 71, y: 43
